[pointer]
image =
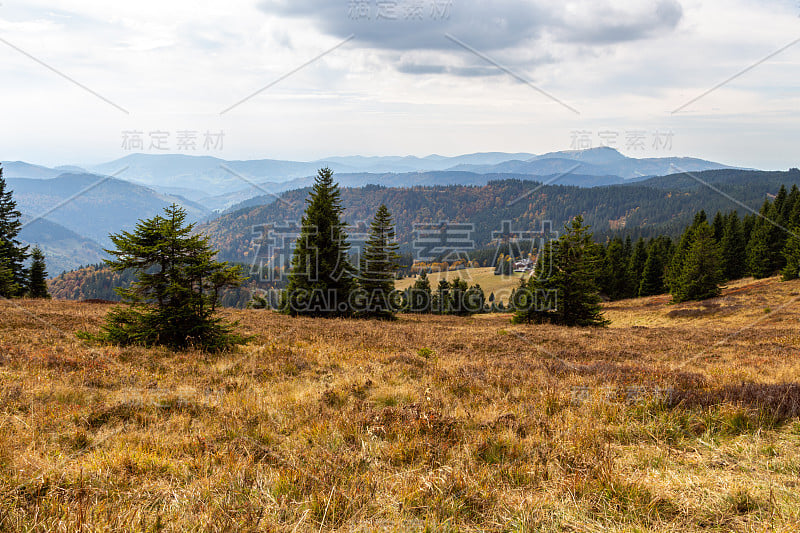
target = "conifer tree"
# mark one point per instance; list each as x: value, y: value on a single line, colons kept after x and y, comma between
x: 733, y: 248
x: 791, y: 253
x: 441, y: 300
x: 321, y: 280
x: 173, y: 300
x: 418, y: 296
x: 701, y: 271
x: 652, y: 282
x: 457, y: 296
x: 758, y: 246
x: 571, y: 278
x: 14, y: 277
x: 675, y: 266
x: 474, y: 300
x: 718, y: 226
x: 379, y: 263
x: 37, y: 285
x: 636, y: 266
x: 778, y: 232
x: 615, y: 280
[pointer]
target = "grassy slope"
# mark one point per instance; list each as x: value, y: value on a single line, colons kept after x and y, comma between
x: 341, y: 424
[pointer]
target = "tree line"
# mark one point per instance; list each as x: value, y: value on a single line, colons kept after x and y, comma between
x: 707, y: 254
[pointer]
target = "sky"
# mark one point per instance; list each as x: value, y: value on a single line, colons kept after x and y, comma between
x: 83, y: 82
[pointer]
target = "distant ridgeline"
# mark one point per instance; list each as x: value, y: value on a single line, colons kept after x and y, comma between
x: 656, y: 206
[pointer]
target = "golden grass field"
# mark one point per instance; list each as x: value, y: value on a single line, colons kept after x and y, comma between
x: 675, y: 418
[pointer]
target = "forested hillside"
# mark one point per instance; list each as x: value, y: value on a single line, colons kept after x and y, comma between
x: 662, y: 205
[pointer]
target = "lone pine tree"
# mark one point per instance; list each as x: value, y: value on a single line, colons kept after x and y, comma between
x: 13, y: 274
x: 37, y: 286
x: 321, y: 278
x: 379, y: 264
x: 174, y: 298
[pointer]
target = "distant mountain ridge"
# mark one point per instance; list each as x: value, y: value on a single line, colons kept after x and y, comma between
x: 602, y: 161
x: 217, y: 183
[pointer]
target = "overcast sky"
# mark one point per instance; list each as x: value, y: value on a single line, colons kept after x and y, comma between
x: 399, y: 77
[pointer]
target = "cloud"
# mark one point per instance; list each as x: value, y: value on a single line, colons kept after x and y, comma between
x: 603, y: 22
x: 509, y: 28
x: 420, y: 24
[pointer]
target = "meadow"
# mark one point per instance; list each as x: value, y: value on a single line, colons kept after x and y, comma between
x: 675, y: 418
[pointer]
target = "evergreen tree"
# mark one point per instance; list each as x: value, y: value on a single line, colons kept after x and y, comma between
x: 441, y: 300
x: 457, y: 297
x: 571, y: 279
x: 379, y: 263
x: 790, y: 206
x: 791, y: 253
x: 701, y: 272
x: 7, y: 286
x: 418, y: 296
x: 614, y: 280
x: 759, y: 264
x: 718, y: 227
x: 174, y: 298
x: 675, y: 266
x: 778, y: 232
x: 12, y: 254
x: 733, y: 248
x: 37, y: 285
x: 474, y: 300
x: 636, y: 266
x: 653, y: 274
x: 321, y: 278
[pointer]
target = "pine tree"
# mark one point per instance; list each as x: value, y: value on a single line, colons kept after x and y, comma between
x: 441, y: 300
x: 418, y: 296
x: 37, y: 285
x: 615, y: 280
x: 12, y: 254
x: 379, y: 263
x: 733, y: 248
x: 791, y: 253
x: 701, y: 272
x: 718, y: 226
x: 674, y: 267
x: 474, y: 300
x: 7, y: 285
x: 572, y: 279
x: 177, y: 287
x: 321, y: 280
x: 636, y: 266
x: 653, y: 274
x: 778, y: 233
x: 758, y: 260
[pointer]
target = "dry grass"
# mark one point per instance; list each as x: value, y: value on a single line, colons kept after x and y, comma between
x: 677, y: 418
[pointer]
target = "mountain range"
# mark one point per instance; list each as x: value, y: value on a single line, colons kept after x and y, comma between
x: 75, y: 207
